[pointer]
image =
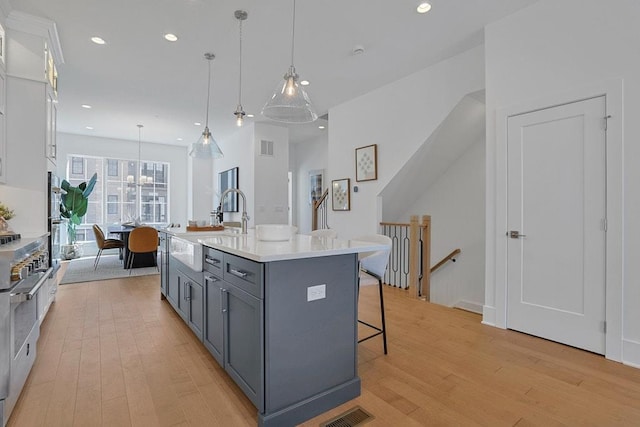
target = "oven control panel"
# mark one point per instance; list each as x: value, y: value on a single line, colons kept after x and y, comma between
x: 37, y: 261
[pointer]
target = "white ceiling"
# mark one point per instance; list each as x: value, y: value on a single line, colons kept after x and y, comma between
x: 138, y: 77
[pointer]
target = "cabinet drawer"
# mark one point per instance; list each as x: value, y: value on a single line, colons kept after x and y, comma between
x: 213, y: 260
x: 245, y: 274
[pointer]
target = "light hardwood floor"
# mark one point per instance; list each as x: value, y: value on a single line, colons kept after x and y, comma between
x: 112, y: 353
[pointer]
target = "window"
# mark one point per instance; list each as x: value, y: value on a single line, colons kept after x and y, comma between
x: 77, y: 166
x: 112, y: 167
x: 124, y: 191
x: 112, y: 204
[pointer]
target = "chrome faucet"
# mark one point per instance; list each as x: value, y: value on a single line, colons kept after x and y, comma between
x: 245, y: 217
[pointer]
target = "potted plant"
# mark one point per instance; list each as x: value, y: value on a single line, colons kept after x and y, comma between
x: 5, y: 215
x: 73, y: 207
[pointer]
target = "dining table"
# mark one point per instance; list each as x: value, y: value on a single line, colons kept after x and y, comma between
x: 140, y: 260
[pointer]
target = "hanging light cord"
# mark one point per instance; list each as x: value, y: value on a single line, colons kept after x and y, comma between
x: 293, y: 31
x: 240, y: 73
x: 206, y: 124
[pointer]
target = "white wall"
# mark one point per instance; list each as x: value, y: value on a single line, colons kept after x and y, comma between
x: 176, y: 156
x: 238, y: 152
x: 398, y: 117
x: 548, y: 49
x: 456, y: 205
x: 309, y: 155
x: 271, y: 176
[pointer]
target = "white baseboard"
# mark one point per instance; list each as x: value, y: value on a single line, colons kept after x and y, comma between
x: 631, y: 353
x: 488, y: 315
x: 469, y: 306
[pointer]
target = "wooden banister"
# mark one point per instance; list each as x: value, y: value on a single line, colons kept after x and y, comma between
x: 316, y: 205
x: 451, y: 256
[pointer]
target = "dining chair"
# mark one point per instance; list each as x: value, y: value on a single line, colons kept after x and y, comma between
x: 142, y: 240
x: 374, y: 264
x: 325, y: 232
x: 103, y: 244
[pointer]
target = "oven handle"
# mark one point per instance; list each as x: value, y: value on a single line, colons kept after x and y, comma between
x: 26, y: 296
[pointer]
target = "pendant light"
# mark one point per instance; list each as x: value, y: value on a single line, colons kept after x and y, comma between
x: 240, y: 15
x: 206, y: 147
x: 290, y: 102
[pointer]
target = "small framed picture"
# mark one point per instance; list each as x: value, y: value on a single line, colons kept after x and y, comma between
x: 315, y: 185
x: 340, y: 194
x: 367, y: 163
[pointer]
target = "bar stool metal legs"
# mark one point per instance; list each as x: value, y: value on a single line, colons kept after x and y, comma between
x: 380, y: 330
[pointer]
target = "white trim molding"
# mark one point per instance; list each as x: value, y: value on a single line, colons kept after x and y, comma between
x: 631, y: 353
x: 38, y: 26
x: 612, y: 90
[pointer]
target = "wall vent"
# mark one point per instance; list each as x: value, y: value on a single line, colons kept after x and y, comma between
x: 266, y: 148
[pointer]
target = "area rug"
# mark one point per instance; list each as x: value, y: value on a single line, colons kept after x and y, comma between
x: 110, y: 267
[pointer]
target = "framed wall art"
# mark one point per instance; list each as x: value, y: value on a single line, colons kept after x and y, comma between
x: 315, y: 185
x: 367, y: 163
x: 340, y: 200
x: 229, y: 179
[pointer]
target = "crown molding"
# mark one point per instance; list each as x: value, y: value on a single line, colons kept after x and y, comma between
x: 38, y: 26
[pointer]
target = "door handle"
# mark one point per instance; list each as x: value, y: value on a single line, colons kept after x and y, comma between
x: 222, y: 292
x: 515, y: 234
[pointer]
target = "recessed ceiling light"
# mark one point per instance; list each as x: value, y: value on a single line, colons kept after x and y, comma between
x: 89, y: 127
x: 320, y: 127
x: 304, y: 82
x: 97, y: 40
x: 249, y: 115
x: 87, y: 106
x: 179, y: 139
x: 423, y: 7
x: 171, y: 37
x: 197, y: 124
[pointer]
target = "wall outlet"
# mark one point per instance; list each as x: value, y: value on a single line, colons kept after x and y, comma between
x: 316, y: 292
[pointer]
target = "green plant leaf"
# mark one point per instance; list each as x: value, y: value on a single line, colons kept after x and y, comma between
x: 89, y: 188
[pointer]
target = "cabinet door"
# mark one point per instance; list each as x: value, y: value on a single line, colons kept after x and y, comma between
x: 173, y: 287
x: 183, y: 302
x: 244, y: 343
x: 195, y: 311
x: 214, y: 329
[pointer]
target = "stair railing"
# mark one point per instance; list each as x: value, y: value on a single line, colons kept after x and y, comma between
x: 451, y: 256
x: 409, y: 265
x: 319, y: 212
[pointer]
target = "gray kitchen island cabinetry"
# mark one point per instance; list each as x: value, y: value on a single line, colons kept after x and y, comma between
x: 279, y: 317
x: 186, y: 295
x: 234, y: 320
x: 291, y: 351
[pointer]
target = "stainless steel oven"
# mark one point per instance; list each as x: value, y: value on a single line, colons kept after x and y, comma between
x: 24, y: 270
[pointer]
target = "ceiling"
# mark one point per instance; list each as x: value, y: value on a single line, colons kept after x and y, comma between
x: 139, y: 77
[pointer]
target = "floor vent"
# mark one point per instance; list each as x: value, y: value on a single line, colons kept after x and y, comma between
x: 353, y: 417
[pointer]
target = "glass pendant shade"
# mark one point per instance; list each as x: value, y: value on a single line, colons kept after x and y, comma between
x: 206, y: 147
x: 290, y: 102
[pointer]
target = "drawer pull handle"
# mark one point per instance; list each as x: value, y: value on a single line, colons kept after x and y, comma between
x: 211, y: 261
x: 238, y: 273
x: 212, y: 279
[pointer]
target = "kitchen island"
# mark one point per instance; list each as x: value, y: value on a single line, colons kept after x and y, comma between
x: 279, y: 317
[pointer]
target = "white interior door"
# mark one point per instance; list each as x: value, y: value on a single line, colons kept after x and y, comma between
x: 556, y: 203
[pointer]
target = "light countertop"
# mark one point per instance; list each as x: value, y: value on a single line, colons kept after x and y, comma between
x: 248, y: 246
